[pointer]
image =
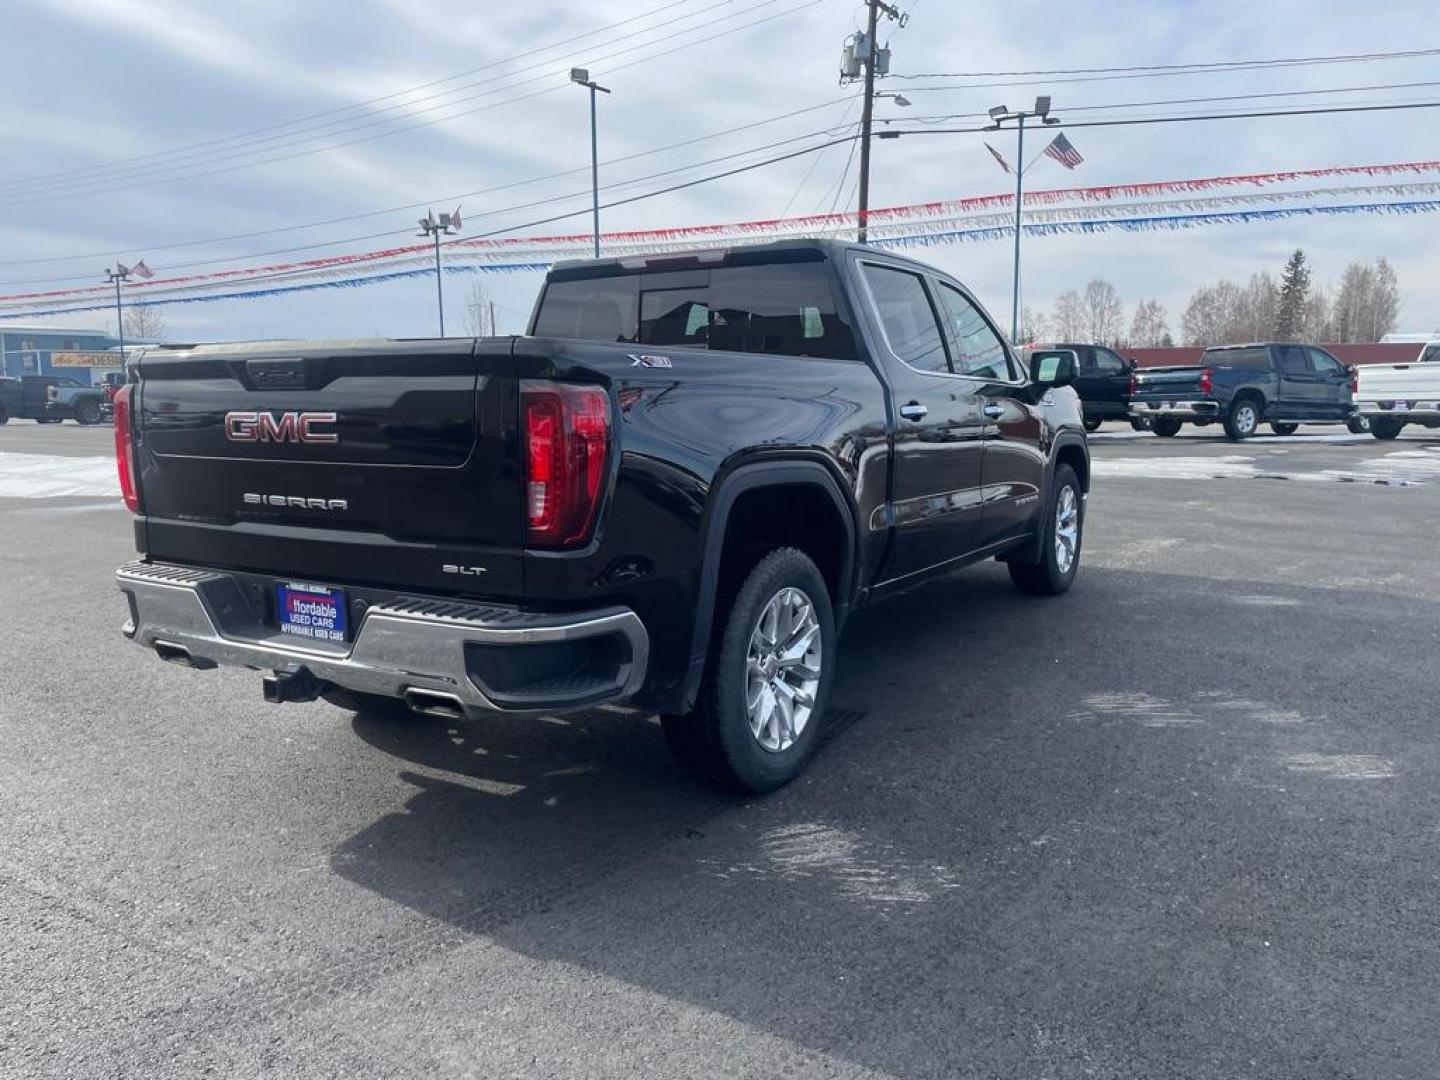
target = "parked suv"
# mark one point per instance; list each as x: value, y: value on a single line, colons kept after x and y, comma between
x: 672, y: 493
x: 1240, y: 386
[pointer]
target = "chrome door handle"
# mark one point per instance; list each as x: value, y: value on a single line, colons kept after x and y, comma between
x: 914, y: 411
x: 994, y: 412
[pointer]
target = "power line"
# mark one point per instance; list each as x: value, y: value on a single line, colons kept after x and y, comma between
x: 443, y: 199
x: 1187, y: 101
x: 1294, y: 61
x: 618, y: 185
x: 1184, y: 119
x: 148, y: 181
x: 297, y: 121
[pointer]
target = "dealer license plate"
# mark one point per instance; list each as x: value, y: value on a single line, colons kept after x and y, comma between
x: 313, y: 612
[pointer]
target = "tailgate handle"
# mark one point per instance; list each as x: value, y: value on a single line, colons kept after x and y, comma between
x: 291, y: 374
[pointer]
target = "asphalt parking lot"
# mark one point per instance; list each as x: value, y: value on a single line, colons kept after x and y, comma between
x: 1184, y: 822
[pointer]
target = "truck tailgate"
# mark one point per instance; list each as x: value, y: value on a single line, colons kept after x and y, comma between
x: 1167, y: 383
x: 1390, y: 382
x: 383, y: 461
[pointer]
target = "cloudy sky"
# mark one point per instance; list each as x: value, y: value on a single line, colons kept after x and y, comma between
x: 90, y: 86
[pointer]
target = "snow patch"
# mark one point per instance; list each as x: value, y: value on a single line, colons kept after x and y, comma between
x: 46, y: 476
x: 1341, y: 766
x: 1140, y: 708
x: 862, y: 871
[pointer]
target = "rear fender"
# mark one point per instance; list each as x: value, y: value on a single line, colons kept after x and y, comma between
x: 725, y: 492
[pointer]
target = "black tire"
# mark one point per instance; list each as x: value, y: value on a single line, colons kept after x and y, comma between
x: 1243, y: 419
x: 1046, y: 577
x: 87, y: 412
x: 1385, y: 427
x: 1358, y: 425
x: 47, y: 420
x: 378, y: 705
x: 715, y: 741
x: 4, y: 416
x: 1284, y: 429
x: 1139, y: 423
x: 1165, y: 426
x: 1093, y: 425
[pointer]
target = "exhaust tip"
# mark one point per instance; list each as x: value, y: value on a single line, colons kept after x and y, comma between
x: 179, y: 654
x: 434, y: 703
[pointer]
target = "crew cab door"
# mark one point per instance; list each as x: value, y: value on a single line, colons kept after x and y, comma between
x: 1013, y: 474
x: 935, y: 499
x: 1302, y: 393
x: 1109, y: 383
x: 1332, y: 383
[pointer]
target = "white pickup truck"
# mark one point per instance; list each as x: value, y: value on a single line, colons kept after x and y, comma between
x: 1393, y: 395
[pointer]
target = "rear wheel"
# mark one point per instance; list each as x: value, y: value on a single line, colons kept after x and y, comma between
x: 1284, y: 429
x: 4, y: 416
x: 1093, y: 425
x: 1165, y: 426
x: 87, y: 412
x: 1243, y: 419
x: 1060, y: 534
x: 1358, y: 425
x: 1139, y: 423
x: 758, y: 716
x: 1385, y: 427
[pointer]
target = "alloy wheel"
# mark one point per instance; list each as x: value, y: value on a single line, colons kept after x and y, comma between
x: 783, y: 669
x: 1067, y: 529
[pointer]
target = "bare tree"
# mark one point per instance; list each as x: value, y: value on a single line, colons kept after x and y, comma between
x: 1149, y: 329
x: 1318, y: 323
x: 477, y: 310
x: 1068, y: 323
x: 1212, y: 317
x: 1102, y: 312
x: 1034, y: 326
x: 1385, y: 313
x: 144, y: 324
x: 1256, y: 309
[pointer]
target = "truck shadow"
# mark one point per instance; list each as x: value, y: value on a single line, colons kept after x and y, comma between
x: 912, y: 868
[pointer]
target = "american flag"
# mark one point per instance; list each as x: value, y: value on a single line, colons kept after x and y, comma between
x: 996, y: 155
x: 141, y: 270
x: 1063, y: 151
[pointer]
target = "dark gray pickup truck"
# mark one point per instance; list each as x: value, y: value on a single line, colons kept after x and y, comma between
x: 1240, y: 386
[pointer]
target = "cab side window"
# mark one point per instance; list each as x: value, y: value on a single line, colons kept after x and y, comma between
x: 1293, y: 360
x: 907, y: 317
x: 980, y: 352
x: 1324, y: 363
x: 1109, y: 363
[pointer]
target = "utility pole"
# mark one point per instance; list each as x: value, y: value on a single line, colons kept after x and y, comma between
x: 492, y: 318
x: 118, y: 274
x: 863, y: 51
x: 998, y: 115
x: 581, y: 77
x: 435, y: 227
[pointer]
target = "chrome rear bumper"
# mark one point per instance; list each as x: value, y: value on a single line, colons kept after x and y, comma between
x: 420, y: 644
x: 1198, y: 410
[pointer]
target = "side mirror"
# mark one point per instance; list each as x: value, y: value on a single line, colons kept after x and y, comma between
x: 1134, y: 364
x: 1050, y: 368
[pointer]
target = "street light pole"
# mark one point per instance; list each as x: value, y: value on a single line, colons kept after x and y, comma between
x: 581, y: 77
x: 998, y: 115
x: 120, y: 273
x: 435, y: 227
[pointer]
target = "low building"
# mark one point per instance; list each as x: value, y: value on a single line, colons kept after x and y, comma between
x: 83, y: 355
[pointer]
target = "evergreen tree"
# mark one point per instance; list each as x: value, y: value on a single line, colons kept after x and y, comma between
x: 1294, y: 290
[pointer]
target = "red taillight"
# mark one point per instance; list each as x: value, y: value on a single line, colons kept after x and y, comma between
x: 125, y: 451
x: 1207, y: 381
x: 1354, y: 380
x: 567, y: 448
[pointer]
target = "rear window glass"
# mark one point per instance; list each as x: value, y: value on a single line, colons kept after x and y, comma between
x: 787, y: 309
x: 591, y: 309
x: 1431, y: 355
x: 1256, y: 359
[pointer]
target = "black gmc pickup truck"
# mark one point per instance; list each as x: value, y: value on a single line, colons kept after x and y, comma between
x: 671, y: 493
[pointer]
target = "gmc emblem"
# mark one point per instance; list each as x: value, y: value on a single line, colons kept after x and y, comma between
x: 296, y: 427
